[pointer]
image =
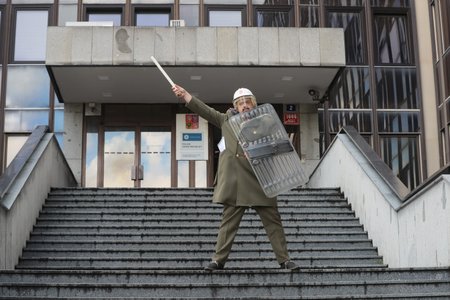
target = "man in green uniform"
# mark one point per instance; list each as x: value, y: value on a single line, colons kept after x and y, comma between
x: 236, y: 185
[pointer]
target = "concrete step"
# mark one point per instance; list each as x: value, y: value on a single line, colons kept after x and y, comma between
x: 224, y: 276
x: 214, y: 290
x: 174, y: 251
x: 183, y: 262
x: 195, y: 229
x: 200, y: 243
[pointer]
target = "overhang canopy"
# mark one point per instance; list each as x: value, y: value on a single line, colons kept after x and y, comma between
x: 113, y: 64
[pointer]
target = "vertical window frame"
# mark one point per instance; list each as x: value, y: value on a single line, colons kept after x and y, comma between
x: 15, y: 9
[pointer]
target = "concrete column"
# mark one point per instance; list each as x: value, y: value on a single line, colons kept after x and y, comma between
x: 73, y: 134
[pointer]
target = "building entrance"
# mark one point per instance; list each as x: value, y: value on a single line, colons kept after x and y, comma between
x: 136, y: 157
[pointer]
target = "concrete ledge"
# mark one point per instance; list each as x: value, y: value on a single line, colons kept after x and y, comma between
x: 413, y: 235
x: 46, y: 168
x: 241, y: 46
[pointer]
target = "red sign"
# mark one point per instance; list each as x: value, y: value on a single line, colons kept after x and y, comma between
x: 291, y: 119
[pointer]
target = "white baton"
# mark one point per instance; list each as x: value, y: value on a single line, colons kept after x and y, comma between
x: 162, y: 71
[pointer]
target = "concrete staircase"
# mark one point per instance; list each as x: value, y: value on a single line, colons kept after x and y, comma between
x: 153, y: 244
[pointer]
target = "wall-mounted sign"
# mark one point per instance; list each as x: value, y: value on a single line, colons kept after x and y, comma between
x: 192, y: 137
x: 291, y: 118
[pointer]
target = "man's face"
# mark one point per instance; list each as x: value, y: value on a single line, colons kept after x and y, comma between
x: 244, y: 104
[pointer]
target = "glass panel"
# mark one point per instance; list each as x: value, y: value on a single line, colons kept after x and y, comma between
x: 351, y: 22
x: 309, y: 2
x: 396, y: 88
x: 352, y: 89
x: 152, y: 19
x: 14, y: 143
x: 362, y: 121
x: 190, y: 14
x: 273, y: 2
x: 31, y: 35
x: 37, y: 81
x: 445, y: 24
x: 397, y: 122
x: 390, y: 3
x: 446, y: 64
x: 119, y: 158
x: 60, y: 138
x: 59, y: 120
x: 183, y: 173
x: 273, y: 18
x: 344, y: 3
x: 24, y: 120
x: 200, y: 173
x: 309, y: 16
x: 67, y: 13
x: 392, y: 45
x: 219, y: 18
x: 156, y: 158
x: 116, y: 18
x: 401, y: 155
x: 90, y: 178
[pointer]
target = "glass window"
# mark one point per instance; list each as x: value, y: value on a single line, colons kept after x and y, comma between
x: 183, y: 173
x: 344, y: 3
x: 402, y: 156
x: 352, y: 89
x: 59, y: 120
x: 352, y: 23
x: 280, y: 16
x: 396, y: 88
x: 218, y: 18
x: 90, y: 179
x: 389, y: 3
x: 392, y: 42
x: 446, y: 64
x: 397, y: 122
x: 200, y: 173
x: 13, y: 145
x: 24, y: 120
x: 30, y: 37
x: 190, y: 14
x: 445, y: 17
x: 152, y: 17
x: 362, y: 121
x: 309, y: 13
x: 37, y: 91
x: 96, y: 14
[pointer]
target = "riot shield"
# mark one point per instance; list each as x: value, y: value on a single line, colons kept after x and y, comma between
x: 268, y: 149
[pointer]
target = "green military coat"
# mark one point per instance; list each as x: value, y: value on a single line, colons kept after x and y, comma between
x: 235, y: 183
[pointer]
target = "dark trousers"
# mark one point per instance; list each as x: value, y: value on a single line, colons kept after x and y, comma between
x: 231, y: 217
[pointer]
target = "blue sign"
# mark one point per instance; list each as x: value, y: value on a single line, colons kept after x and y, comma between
x: 192, y: 137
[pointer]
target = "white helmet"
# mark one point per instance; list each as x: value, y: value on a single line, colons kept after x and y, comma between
x: 242, y: 92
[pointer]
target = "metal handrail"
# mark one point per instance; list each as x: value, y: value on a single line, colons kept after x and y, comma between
x: 19, y: 161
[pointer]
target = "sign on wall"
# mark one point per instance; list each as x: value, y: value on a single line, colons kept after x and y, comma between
x: 191, y: 137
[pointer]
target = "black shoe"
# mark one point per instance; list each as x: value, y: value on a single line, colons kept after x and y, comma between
x: 289, y: 265
x: 214, y: 265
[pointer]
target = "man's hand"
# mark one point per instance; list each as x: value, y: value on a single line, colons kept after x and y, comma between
x: 181, y: 93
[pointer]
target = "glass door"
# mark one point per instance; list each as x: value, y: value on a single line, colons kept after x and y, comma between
x: 120, y: 157
x: 155, y: 157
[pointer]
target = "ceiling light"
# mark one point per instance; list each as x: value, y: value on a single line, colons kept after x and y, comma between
x: 287, y: 78
x: 196, y: 77
x: 107, y: 94
x: 279, y: 95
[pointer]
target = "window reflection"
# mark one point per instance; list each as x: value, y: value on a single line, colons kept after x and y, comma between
x: 397, y: 122
x: 183, y: 173
x: 279, y: 17
x: 446, y: 63
x: 352, y: 89
x: 24, y: 120
x: 362, y: 121
x: 401, y: 155
x: 152, y: 18
x: 392, y: 45
x: 58, y: 121
x: 390, y: 3
x: 101, y: 15
x: 13, y: 145
x: 31, y: 35
x: 190, y: 14
x: 37, y: 82
x: 200, y: 173
x: 309, y: 16
x: 397, y: 88
x: 156, y: 158
x: 344, y: 2
x: 90, y: 178
x: 219, y: 18
x: 351, y: 22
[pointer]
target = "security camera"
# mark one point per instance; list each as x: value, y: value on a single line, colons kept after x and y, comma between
x: 313, y: 92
